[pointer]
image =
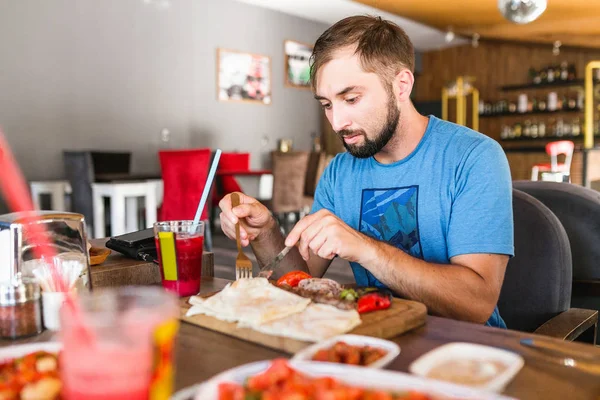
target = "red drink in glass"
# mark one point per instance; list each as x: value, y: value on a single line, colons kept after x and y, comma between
x: 179, y: 246
x: 189, y: 266
x: 112, y: 343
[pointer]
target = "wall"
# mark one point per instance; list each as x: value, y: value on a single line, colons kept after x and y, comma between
x: 494, y: 64
x: 111, y: 74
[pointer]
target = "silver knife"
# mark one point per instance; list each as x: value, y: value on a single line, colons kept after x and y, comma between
x: 267, y: 270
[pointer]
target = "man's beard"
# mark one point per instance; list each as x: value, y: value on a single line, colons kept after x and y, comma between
x: 373, y: 146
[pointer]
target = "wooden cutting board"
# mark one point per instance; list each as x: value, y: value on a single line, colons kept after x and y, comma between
x: 402, y: 316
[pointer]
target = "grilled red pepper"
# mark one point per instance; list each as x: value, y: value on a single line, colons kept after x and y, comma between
x: 293, y: 278
x: 373, y: 302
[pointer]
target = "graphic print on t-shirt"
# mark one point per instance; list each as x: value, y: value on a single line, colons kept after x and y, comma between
x: 390, y: 215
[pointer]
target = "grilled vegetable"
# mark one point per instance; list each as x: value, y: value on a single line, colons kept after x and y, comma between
x: 293, y: 278
x: 373, y: 302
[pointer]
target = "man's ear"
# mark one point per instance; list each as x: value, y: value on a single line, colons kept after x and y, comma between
x: 403, y: 84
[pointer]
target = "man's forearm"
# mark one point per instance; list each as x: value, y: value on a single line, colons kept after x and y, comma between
x: 448, y: 290
x: 267, y: 245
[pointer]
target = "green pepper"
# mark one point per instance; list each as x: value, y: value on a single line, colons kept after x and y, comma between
x: 348, y: 294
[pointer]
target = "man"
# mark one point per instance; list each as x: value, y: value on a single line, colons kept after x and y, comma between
x: 417, y: 204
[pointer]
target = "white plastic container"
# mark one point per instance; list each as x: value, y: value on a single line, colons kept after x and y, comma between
x: 392, y: 349
x: 469, y: 351
x: 351, y: 375
x: 51, y: 304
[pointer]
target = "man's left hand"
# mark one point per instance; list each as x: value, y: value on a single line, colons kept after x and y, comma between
x: 327, y: 236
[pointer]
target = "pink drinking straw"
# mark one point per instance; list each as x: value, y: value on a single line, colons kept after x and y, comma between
x: 14, y: 188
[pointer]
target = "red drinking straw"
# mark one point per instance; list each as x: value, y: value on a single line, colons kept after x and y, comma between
x: 14, y: 188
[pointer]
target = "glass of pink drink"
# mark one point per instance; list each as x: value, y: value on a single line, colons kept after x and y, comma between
x: 180, y: 245
x: 112, y: 341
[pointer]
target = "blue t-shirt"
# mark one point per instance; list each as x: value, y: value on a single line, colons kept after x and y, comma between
x: 452, y: 195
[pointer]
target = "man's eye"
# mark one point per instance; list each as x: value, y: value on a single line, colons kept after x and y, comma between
x: 326, y: 106
x: 352, y: 100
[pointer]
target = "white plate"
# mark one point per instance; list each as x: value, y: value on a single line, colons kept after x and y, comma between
x: 10, y: 352
x: 392, y: 350
x: 355, y: 376
x: 457, y: 351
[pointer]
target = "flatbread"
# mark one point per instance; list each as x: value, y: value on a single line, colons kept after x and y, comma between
x: 251, y: 302
x: 317, y: 322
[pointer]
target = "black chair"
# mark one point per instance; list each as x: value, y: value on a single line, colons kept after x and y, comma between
x: 111, y: 162
x: 578, y: 209
x: 79, y: 171
x: 82, y: 168
x: 536, y: 293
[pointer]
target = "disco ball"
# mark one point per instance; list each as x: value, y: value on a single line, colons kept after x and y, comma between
x: 522, y: 11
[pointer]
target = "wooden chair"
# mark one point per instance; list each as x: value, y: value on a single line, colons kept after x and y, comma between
x: 289, y: 178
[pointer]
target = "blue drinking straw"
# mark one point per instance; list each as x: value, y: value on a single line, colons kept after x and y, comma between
x: 207, y: 186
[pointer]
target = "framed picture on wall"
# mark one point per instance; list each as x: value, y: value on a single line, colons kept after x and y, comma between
x: 297, y: 68
x: 243, y: 77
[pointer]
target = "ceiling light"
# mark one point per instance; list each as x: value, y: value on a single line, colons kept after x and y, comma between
x: 522, y: 11
x: 449, y: 36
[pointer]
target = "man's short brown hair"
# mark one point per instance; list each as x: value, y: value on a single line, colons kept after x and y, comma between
x: 382, y: 46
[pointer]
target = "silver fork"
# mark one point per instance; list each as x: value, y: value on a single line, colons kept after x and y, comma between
x: 243, y: 265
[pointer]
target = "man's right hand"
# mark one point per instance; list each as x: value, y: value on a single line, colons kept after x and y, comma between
x: 256, y: 218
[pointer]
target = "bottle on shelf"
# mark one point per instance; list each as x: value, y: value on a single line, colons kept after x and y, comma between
x: 517, y: 130
x: 542, y: 105
x: 541, y: 129
x: 557, y: 73
x: 534, y: 76
x: 527, y: 128
x: 571, y: 103
x: 512, y: 107
x: 550, y: 74
x: 580, y: 98
x: 567, y: 129
x: 575, y: 127
x: 534, y: 132
x: 522, y: 105
x: 560, y: 103
x: 558, y: 128
x: 571, y: 72
x: 552, y: 101
x: 564, y: 71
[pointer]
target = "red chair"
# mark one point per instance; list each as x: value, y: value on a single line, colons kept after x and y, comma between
x: 184, y: 174
x: 227, y: 183
x: 554, y: 149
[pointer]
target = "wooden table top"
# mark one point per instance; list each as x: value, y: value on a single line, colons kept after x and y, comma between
x: 202, y: 353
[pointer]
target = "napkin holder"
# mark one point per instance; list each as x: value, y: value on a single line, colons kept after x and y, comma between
x: 66, y: 233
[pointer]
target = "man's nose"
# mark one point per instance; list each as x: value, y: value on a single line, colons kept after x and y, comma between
x: 339, y: 121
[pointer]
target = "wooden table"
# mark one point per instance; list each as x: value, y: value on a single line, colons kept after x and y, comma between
x: 202, y: 353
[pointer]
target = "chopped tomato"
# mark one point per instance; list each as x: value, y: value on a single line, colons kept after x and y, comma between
x: 276, y: 373
x: 293, y: 278
x: 231, y: 391
x: 377, y: 395
x: 324, y: 383
x: 416, y: 396
x: 281, y: 382
x: 340, y: 393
